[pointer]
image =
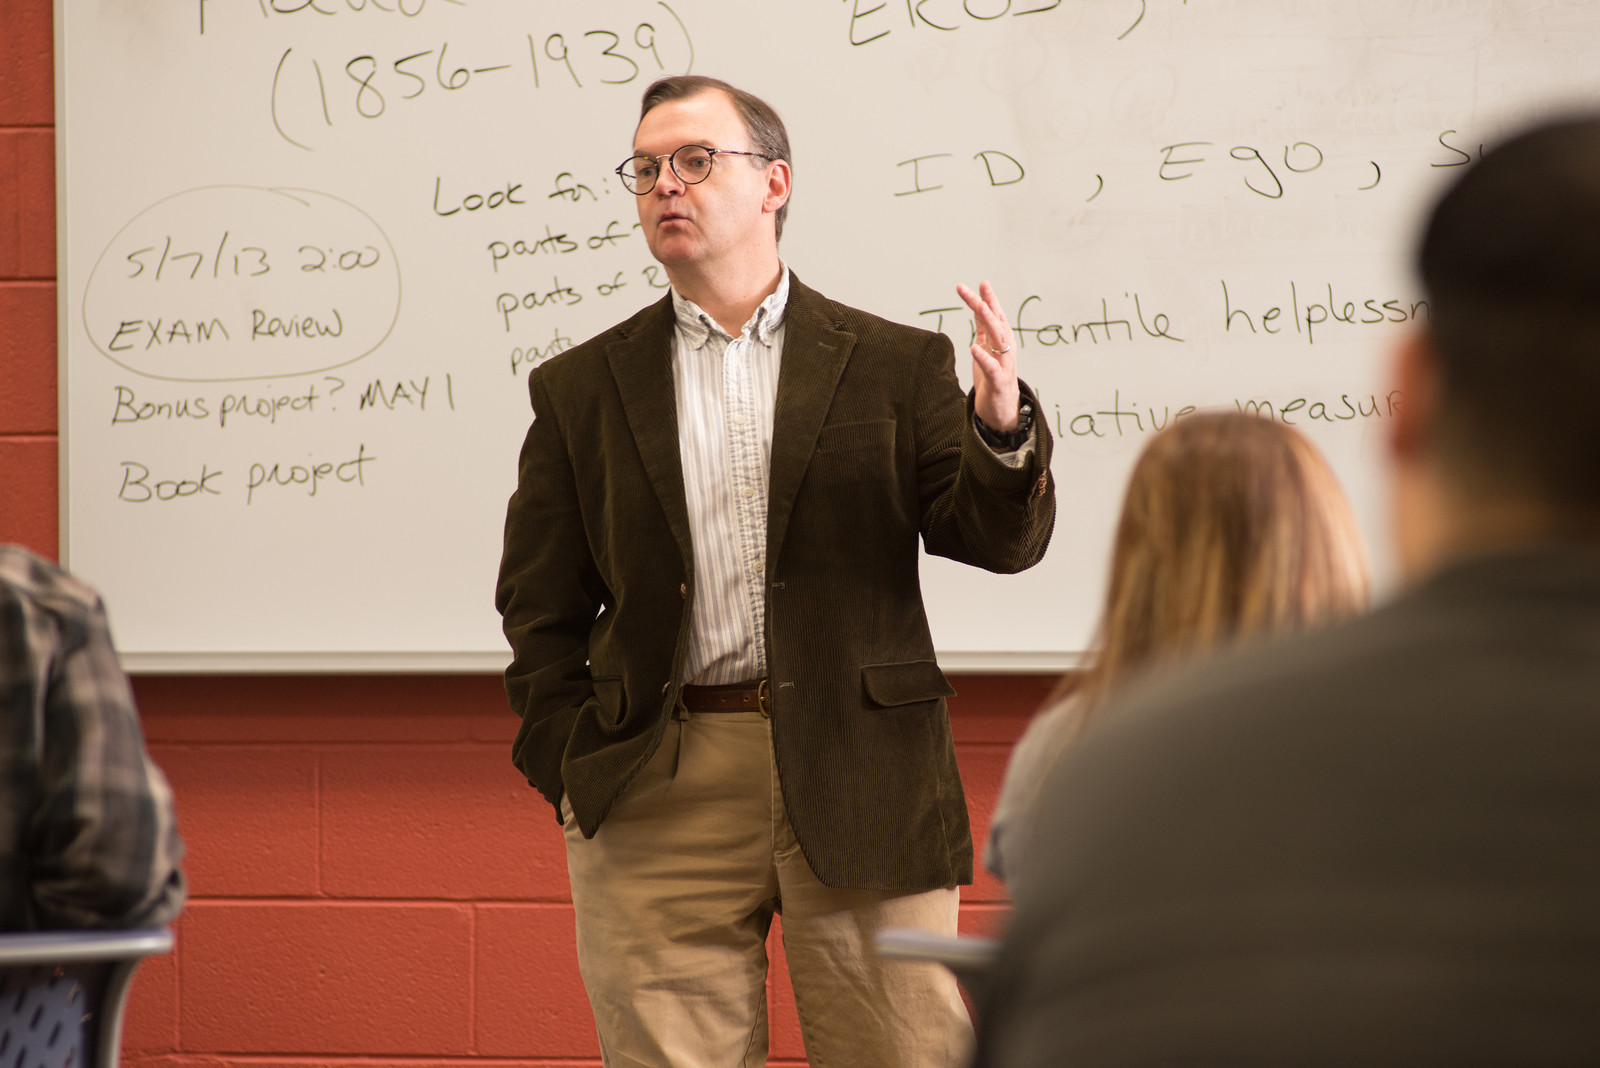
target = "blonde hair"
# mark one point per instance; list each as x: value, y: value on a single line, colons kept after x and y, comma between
x: 1232, y: 525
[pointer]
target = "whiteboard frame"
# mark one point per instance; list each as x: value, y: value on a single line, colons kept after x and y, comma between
x: 466, y: 663
x: 419, y: 659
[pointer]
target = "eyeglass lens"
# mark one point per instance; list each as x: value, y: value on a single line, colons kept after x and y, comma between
x: 691, y: 163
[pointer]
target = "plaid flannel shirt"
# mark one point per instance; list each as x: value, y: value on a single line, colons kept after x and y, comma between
x: 87, y: 832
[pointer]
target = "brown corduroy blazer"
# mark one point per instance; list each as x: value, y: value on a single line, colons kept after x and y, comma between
x: 873, y: 445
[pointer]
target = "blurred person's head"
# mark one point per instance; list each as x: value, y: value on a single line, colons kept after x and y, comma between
x: 1497, y: 443
x: 1232, y: 526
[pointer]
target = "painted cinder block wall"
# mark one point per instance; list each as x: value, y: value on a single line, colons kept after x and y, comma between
x: 372, y: 883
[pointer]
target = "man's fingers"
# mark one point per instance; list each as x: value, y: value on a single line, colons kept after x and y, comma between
x: 994, y: 310
x: 993, y: 329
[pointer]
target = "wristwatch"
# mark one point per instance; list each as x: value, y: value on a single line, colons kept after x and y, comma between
x: 1009, y: 441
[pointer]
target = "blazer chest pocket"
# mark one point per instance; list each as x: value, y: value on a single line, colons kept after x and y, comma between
x: 910, y: 682
x: 856, y: 452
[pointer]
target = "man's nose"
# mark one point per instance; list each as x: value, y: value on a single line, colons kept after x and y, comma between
x: 667, y: 181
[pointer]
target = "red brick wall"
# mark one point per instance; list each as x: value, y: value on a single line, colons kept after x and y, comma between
x: 371, y: 881
x: 27, y: 273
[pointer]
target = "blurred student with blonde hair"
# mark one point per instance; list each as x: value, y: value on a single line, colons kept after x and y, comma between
x: 1232, y: 526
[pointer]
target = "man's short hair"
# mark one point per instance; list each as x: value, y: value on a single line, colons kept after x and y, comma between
x: 761, y: 121
x: 1510, y: 260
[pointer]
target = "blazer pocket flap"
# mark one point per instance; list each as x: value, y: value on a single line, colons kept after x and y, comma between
x: 609, y: 695
x: 906, y: 683
x: 851, y: 437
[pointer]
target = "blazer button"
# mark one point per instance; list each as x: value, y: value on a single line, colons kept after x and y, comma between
x: 683, y: 590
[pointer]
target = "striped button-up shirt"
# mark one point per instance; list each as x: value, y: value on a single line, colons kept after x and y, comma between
x: 726, y: 389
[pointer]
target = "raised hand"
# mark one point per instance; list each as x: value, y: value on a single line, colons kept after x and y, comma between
x: 994, y: 360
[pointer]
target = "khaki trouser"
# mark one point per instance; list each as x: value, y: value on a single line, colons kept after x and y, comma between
x: 674, y: 897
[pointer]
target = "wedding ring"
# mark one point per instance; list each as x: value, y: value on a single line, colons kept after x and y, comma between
x: 1000, y: 352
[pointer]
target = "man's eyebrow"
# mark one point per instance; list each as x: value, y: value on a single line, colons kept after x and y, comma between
x: 703, y: 142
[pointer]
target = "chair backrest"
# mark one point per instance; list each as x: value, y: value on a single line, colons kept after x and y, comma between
x: 62, y: 994
x: 971, y: 958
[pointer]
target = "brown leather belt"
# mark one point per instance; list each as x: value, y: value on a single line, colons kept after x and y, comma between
x: 735, y: 697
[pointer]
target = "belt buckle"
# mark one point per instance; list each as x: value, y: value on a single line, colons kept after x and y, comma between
x: 764, y: 699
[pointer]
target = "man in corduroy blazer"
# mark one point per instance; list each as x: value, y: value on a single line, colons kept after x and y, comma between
x: 721, y: 659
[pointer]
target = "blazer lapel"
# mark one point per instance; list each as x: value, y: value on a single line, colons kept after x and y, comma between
x: 815, y: 351
x: 640, y: 360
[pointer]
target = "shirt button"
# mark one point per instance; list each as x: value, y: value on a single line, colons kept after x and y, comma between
x: 739, y: 420
x: 749, y: 492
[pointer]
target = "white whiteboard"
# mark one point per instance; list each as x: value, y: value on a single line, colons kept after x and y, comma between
x: 290, y: 231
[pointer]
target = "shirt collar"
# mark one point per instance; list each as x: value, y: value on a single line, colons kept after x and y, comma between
x: 696, y: 327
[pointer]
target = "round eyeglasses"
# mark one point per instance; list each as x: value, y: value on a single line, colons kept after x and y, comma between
x: 691, y: 163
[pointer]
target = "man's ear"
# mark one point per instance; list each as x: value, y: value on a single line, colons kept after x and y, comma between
x: 1416, y: 378
x: 779, y: 179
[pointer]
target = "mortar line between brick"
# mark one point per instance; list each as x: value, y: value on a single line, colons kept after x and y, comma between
x: 323, y: 1061
x: 316, y: 799
x: 472, y: 903
x: 177, y: 995
x: 472, y: 976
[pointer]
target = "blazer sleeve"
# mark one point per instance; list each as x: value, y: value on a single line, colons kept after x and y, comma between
x: 977, y: 509
x: 548, y: 594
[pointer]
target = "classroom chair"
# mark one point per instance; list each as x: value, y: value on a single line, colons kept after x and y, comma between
x: 62, y: 994
x: 971, y: 958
